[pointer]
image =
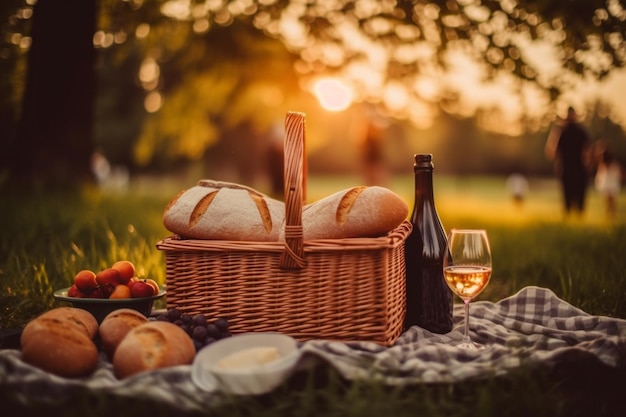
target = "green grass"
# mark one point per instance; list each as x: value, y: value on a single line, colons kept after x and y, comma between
x: 47, y: 237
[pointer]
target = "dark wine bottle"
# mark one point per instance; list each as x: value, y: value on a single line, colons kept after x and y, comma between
x: 428, y: 298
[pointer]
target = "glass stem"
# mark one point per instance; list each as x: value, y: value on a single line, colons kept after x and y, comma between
x: 466, y: 337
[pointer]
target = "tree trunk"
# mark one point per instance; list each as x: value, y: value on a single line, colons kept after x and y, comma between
x: 54, y: 136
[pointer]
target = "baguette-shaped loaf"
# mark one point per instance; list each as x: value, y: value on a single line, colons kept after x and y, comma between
x: 152, y: 345
x: 224, y: 211
x: 355, y: 212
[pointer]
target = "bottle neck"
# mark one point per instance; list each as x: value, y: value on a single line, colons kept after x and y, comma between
x: 423, y: 185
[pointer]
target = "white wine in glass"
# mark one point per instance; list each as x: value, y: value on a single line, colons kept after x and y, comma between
x: 467, y: 270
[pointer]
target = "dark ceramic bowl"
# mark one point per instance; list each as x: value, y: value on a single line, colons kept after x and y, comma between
x: 100, y: 307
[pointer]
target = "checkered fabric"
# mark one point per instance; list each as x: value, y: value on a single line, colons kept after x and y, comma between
x: 533, y: 326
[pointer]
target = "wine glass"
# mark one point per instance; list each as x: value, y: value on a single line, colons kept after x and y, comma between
x: 467, y: 270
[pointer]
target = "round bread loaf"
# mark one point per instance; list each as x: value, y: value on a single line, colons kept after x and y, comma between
x: 152, y: 345
x: 224, y: 211
x: 80, y: 317
x: 355, y: 212
x: 116, y: 325
x: 59, y: 346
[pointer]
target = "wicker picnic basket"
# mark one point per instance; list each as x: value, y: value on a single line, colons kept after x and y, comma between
x: 335, y: 289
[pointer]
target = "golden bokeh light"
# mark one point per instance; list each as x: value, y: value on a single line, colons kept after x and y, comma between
x: 142, y: 31
x: 333, y: 94
x: 149, y: 72
x: 153, y: 102
x: 381, y: 53
x: 395, y: 97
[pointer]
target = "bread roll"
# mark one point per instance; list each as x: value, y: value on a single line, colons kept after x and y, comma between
x: 224, y: 211
x: 80, y: 317
x: 59, y: 346
x: 116, y: 325
x: 355, y: 212
x: 152, y: 345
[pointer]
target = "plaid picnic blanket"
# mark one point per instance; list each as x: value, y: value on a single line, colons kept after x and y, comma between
x: 533, y: 326
x: 530, y: 327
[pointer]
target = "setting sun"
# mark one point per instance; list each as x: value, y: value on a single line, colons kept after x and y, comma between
x: 333, y: 94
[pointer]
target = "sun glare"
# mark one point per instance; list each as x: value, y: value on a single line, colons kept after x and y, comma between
x: 333, y: 94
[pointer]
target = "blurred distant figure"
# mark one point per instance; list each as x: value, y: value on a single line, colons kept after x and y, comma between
x: 608, y: 181
x: 568, y: 146
x: 373, y: 154
x: 276, y: 161
x: 100, y: 167
x: 109, y: 177
x: 517, y: 185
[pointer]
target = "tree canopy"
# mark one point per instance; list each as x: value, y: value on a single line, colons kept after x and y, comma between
x: 386, y: 47
x: 375, y: 44
x: 175, y: 76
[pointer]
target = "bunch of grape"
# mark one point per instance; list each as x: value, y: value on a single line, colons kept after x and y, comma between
x: 202, y: 331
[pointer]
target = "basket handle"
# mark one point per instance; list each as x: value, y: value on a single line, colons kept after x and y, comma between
x: 293, y: 255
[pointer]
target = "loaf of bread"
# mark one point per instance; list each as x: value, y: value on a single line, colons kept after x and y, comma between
x: 116, y: 325
x: 354, y: 212
x: 224, y: 211
x: 60, y: 343
x: 227, y: 211
x: 78, y: 316
x: 152, y: 345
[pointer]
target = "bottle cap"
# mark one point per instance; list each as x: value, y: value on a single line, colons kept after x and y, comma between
x: 423, y: 160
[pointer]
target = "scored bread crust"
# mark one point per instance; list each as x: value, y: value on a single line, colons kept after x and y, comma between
x: 78, y: 316
x: 59, y: 346
x: 152, y: 345
x: 224, y: 211
x: 364, y: 211
x: 116, y: 325
x: 228, y: 211
x: 346, y: 203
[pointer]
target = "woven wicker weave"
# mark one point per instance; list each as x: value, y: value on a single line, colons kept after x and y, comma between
x: 337, y: 289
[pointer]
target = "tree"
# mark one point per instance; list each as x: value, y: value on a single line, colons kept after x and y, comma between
x: 53, y: 140
x: 211, y: 86
x: 392, y: 42
x: 403, y: 41
x: 399, y: 43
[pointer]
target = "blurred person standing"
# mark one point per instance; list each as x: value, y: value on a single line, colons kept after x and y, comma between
x: 373, y: 150
x: 568, y: 146
x: 608, y: 181
x: 275, y: 160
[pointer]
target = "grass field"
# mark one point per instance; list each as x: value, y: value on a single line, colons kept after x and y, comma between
x: 47, y: 237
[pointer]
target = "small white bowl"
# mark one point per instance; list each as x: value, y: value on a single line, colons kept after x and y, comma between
x: 245, y: 381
